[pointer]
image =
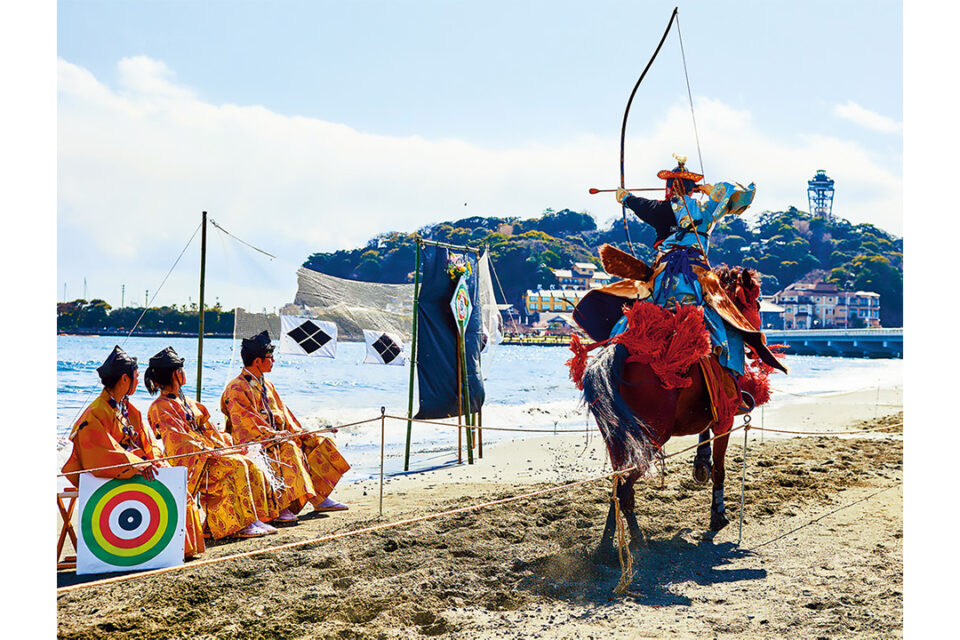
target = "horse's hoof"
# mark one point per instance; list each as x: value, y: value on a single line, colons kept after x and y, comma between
x: 702, y: 470
x: 718, y: 521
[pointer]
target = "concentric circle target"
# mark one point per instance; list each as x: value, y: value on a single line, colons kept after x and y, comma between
x: 128, y: 522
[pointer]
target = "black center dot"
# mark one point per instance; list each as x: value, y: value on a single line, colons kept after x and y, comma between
x: 130, y: 519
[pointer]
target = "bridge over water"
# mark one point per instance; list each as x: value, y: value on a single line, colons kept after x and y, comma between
x: 853, y: 343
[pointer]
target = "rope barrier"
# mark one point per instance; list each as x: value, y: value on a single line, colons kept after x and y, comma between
x: 818, y: 518
x: 831, y: 433
x: 234, y: 447
x: 283, y: 438
x: 485, y: 427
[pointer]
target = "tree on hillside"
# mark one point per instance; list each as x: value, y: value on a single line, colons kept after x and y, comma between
x: 877, y: 274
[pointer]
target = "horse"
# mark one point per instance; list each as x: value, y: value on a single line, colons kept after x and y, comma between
x: 641, y: 402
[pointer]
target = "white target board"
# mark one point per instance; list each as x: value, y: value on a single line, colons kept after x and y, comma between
x: 132, y: 524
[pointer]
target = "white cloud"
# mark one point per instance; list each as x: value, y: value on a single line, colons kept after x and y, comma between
x: 866, y: 118
x: 137, y: 165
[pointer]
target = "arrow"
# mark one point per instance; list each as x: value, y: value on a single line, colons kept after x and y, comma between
x: 641, y: 189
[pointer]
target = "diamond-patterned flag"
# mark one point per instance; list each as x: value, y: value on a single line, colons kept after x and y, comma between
x: 303, y: 336
x: 383, y: 348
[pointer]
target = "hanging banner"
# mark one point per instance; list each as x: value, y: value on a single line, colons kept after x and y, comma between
x: 131, y: 524
x: 460, y: 304
x: 383, y: 348
x: 305, y: 336
x: 437, y: 334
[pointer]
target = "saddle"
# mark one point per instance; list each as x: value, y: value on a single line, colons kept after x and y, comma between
x: 600, y: 309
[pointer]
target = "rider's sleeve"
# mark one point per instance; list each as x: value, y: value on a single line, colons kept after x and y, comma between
x: 656, y: 213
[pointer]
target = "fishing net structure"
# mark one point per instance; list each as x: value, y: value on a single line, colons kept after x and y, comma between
x: 354, y: 306
x: 247, y: 324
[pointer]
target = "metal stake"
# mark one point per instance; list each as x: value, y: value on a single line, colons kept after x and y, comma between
x: 743, y: 478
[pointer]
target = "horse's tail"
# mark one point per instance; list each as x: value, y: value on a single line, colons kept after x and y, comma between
x: 629, y: 439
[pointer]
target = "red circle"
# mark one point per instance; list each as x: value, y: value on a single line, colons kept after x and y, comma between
x: 144, y: 499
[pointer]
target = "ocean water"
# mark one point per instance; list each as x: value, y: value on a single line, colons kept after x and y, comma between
x: 526, y: 388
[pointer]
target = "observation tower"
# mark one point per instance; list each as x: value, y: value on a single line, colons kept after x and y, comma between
x: 820, y: 194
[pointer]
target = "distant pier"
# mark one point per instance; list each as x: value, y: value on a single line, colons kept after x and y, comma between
x: 846, y: 343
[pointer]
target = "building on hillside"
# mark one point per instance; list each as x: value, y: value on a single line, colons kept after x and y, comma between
x: 822, y: 305
x: 553, y: 300
x: 585, y: 275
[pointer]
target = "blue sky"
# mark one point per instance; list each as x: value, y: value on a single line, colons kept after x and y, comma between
x: 312, y: 126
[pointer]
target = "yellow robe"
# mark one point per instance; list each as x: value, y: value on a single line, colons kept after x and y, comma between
x: 310, y: 465
x: 234, y: 492
x: 99, y: 441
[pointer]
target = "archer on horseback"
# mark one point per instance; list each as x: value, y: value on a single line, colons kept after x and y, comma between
x: 674, y: 339
x: 682, y: 274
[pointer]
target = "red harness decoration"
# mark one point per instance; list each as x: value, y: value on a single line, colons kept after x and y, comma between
x: 670, y: 343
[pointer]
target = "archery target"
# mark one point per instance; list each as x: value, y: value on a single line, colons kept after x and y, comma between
x: 133, y: 523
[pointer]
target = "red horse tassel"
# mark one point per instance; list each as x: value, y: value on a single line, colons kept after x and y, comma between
x: 670, y: 343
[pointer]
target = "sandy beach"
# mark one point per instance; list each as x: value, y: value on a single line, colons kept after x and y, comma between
x: 820, y: 555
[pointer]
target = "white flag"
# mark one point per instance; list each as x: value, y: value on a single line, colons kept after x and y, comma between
x: 304, y: 336
x: 383, y: 348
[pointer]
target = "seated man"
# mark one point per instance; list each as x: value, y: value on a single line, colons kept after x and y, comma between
x: 110, y: 432
x: 236, y: 493
x: 310, y: 465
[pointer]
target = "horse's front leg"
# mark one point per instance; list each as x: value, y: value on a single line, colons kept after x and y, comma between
x: 718, y: 517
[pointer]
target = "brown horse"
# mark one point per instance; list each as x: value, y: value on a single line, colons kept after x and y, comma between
x: 637, y: 412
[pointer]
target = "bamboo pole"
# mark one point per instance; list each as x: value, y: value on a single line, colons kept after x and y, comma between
x: 413, y: 358
x: 459, y: 407
x: 383, y: 422
x: 466, y: 393
x: 203, y: 277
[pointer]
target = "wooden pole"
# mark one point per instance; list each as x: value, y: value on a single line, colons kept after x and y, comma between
x: 466, y: 393
x: 203, y: 276
x: 413, y: 358
x: 383, y: 422
x: 459, y: 408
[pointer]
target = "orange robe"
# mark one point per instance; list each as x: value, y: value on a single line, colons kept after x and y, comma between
x: 235, y: 492
x: 99, y: 441
x: 310, y: 468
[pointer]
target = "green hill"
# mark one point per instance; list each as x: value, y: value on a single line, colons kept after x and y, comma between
x: 783, y: 246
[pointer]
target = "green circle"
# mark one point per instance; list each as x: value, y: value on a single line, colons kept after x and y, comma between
x: 86, y: 523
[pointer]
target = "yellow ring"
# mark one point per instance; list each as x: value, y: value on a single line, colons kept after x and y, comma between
x: 106, y: 546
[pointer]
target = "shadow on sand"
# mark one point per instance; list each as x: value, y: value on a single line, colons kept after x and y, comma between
x: 576, y: 575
